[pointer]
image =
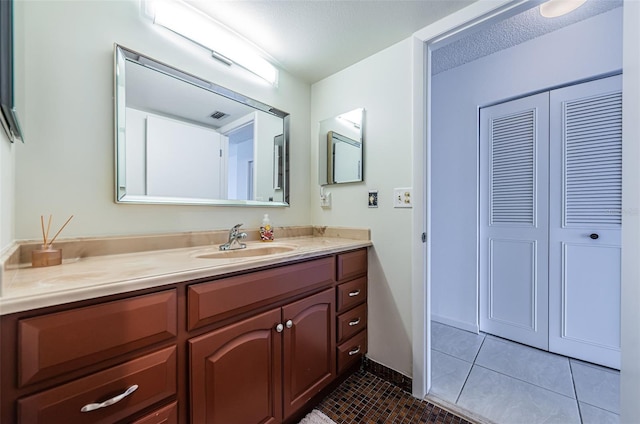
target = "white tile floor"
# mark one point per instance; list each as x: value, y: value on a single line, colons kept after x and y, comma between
x: 509, y: 383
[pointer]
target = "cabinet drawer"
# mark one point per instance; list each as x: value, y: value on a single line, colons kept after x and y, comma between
x: 164, y: 415
x: 352, y: 264
x: 224, y: 298
x: 352, y: 293
x: 154, y: 374
x: 351, y: 351
x: 58, y: 343
x: 351, y: 322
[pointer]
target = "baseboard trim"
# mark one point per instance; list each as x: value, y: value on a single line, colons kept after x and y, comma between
x: 474, y: 328
x: 390, y: 375
x: 457, y: 410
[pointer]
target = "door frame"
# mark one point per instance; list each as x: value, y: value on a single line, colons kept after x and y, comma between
x: 453, y: 26
x: 423, y: 41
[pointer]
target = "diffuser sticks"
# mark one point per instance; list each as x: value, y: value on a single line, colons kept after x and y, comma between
x: 47, y: 255
x: 46, y: 243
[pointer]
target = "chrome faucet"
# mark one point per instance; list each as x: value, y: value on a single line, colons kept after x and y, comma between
x: 234, y: 239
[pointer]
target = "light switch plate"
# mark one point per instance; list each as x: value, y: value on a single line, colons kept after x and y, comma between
x: 403, y: 197
x: 325, y: 201
x: 373, y: 198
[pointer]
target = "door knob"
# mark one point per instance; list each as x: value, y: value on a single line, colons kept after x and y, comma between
x: 279, y: 328
x: 594, y: 236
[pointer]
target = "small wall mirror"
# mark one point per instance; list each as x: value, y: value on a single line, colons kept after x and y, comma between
x: 183, y: 140
x: 340, y: 148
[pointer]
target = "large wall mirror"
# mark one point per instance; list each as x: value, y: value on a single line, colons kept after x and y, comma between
x: 8, y: 114
x: 341, y: 148
x: 183, y: 140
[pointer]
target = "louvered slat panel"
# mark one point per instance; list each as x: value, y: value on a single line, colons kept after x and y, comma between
x: 593, y: 161
x: 512, y: 150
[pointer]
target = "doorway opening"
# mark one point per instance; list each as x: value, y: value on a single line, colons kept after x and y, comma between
x: 454, y: 157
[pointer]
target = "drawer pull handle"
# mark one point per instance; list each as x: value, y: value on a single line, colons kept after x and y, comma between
x: 354, y: 351
x: 289, y: 324
x: 354, y: 322
x: 354, y: 293
x: 279, y: 328
x: 93, y: 406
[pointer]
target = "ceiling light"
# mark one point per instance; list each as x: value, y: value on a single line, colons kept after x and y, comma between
x: 555, y: 8
x: 225, y: 45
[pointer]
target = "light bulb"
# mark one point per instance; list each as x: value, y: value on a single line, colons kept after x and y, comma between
x: 555, y: 8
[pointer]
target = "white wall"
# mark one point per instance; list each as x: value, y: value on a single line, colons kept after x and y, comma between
x: 588, y: 48
x: 630, y: 352
x: 381, y: 84
x: 266, y: 128
x: 135, y: 155
x: 65, y: 87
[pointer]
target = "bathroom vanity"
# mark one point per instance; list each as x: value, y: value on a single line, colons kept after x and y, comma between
x: 256, y: 341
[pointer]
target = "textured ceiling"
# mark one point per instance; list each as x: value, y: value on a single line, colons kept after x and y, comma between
x: 511, y: 32
x: 312, y: 39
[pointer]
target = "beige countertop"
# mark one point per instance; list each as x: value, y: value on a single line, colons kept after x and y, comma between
x: 84, y: 277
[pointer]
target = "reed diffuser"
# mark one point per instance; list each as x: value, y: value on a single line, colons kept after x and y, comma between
x: 47, y: 255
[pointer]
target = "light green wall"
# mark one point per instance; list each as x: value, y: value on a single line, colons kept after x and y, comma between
x: 65, y: 82
x: 382, y: 85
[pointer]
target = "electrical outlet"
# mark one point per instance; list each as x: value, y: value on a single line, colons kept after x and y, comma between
x: 402, y: 198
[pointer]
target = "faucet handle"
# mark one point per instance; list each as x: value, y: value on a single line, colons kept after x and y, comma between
x: 235, y: 229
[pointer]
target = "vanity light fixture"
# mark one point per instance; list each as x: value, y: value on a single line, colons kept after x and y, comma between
x: 225, y: 45
x: 555, y: 8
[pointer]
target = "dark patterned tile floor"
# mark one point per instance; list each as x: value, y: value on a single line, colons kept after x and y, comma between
x: 365, y: 398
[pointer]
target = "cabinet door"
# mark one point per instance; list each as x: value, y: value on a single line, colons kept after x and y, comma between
x: 236, y: 373
x: 309, y: 348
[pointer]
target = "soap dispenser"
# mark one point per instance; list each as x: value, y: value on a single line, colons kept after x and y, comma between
x: 266, y: 230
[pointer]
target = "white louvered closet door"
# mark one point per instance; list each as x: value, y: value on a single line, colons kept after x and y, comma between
x: 514, y: 197
x: 585, y: 221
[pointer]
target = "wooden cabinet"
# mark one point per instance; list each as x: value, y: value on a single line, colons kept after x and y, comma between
x: 351, y: 295
x: 236, y: 372
x: 351, y: 322
x: 351, y: 351
x: 352, y: 264
x: 53, y: 344
x: 107, y: 396
x: 309, y: 348
x: 255, y: 347
x: 165, y: 415
x: 227, y: 297
x: 244, y: 372
x: 103, y: 361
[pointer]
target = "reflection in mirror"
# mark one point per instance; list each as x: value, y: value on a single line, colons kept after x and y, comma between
x: 183, y: 140
x: 340, y: 151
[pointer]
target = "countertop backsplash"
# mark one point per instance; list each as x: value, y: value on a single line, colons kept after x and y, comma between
x: 93, y: 267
